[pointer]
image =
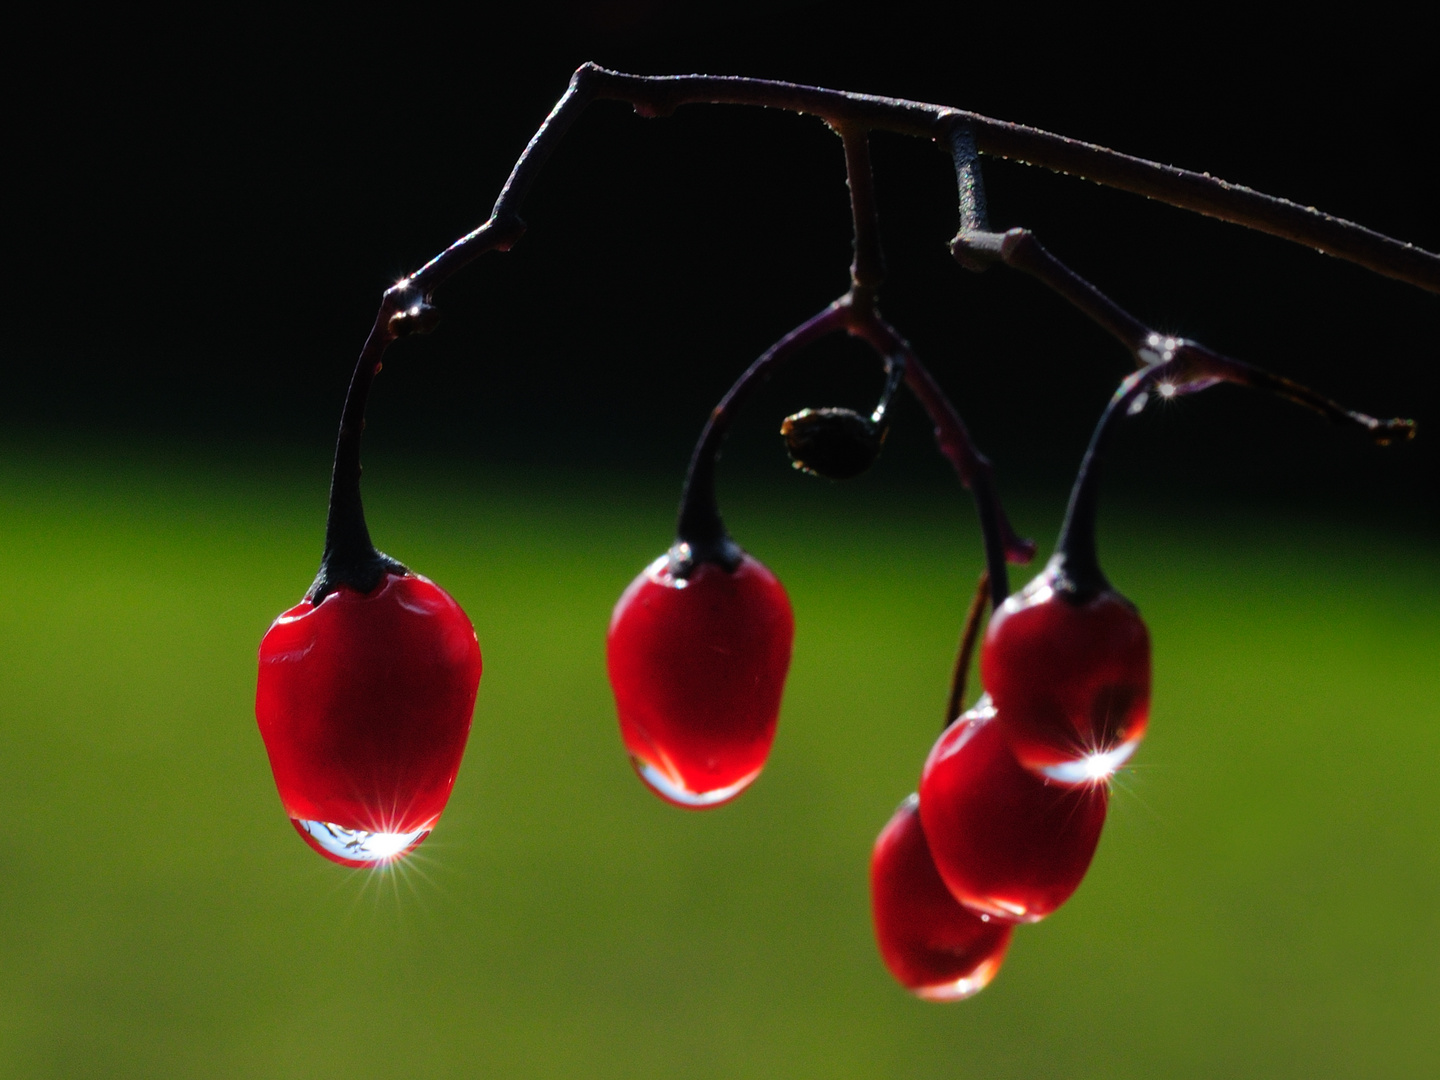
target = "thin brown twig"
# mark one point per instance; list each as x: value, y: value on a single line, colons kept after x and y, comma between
x: 867, y: 270
x: 657, y: 95
x: 952, y: 437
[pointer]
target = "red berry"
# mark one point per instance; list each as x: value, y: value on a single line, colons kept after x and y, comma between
x: 935, y: 948
x: 1070, y: 678
x: 698, y: 665
x: 364, y: 703
x: 1007, y: 842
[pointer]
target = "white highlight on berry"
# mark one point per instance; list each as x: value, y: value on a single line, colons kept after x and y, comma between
x: 1019, y: 911
x: 662, y: 570
x: 1093, y: 768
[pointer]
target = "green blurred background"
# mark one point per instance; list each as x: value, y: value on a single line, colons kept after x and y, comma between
x: 1264, y: 901
x: 201, y: 212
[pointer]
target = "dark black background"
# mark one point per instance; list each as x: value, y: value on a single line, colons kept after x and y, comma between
x: 201, y: 215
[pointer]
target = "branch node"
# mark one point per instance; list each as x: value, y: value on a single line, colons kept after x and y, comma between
x: 587, y: 74
x: 507, y: 228
x: 418, y: 318
x: 977, y: 251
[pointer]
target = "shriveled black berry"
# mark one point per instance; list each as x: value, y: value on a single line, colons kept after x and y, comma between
x: 834, y: 443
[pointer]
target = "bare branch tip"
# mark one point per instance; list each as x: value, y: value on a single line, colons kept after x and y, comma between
x: 1390, y: 432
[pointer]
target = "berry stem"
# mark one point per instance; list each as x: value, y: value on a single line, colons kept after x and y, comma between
x: 894, y: 379
x: 1075, y: 566
x: 700, y: 525
x: 350, y: 557
x: 963, y: 655
x: 1179, y: 367
x: 952, y: 438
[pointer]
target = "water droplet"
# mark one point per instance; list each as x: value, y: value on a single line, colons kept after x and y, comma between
x: 969, y: 986
x: 357, y: 847
x: 675, y: 791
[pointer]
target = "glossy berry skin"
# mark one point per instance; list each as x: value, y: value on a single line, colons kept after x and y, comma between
x: 1007, y: 842
x: 698, y: 665
x: 1070, y: 678
x: 364, y: 702
x: 936, y: 948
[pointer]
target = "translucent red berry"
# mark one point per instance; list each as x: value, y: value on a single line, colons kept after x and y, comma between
x: 1007, y: 842
x: 1070, y: 676
x: 364, y: 702
x: 698, y: 664
x: 936, y: 948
